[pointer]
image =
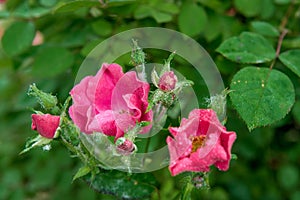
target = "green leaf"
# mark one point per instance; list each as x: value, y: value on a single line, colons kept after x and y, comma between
x: 192, y: 19
x: 75, y: 5
x: 216, y: 5
x: 248, y: 8
x: 261, y: 96
x: 282, y: 1
x: 142, y: 11
x: 296, y: 111
x: 123, y: 185
x: 48, y: 3
x: 102, y: 27
x: 247, y: 48
x: 52, y: 61
x: 167, y: 7
x: 161, y: 17
x: 215, y: 27
x: 18, y: 37
x: 81, y: 172
x: 264, y: 28
x: 291, y: 59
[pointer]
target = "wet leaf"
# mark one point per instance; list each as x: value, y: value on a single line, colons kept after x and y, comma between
x: 261, y: 96
x: 247, y: 48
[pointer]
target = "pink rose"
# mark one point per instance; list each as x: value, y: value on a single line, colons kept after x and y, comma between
x: 45, y: 124
x: 110, y: 102
x: 199, y: 142
x: 167, y: 81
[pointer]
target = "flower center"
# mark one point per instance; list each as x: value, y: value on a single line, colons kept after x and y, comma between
x: 197, y: 142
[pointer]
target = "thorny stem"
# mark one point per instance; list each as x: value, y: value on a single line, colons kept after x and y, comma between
x: 284, y: 31
x: 279, y: 44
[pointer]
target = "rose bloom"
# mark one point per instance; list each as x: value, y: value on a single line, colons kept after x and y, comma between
x: 110, y: 102
x: 199, y: 142
x: 45, y: 124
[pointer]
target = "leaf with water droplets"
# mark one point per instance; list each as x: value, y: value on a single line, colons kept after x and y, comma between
x: 123, y: 185
x: 247, y: 48
x: 291, y: 59
x: 261, y: 96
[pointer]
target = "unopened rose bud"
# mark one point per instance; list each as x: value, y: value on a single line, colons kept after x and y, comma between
x: 125, y: 146
x: 167, y: 81
x: 45, y: 124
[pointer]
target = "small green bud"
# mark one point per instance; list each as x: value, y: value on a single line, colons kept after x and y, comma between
x: 46, y: 100
x: 137, y: 54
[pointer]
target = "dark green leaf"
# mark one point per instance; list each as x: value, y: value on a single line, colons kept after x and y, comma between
x: 247, y: 48
x: 217, y: 5
x: 288, y: 176
x: 282, y: 1
x: 18, y: 37
x: 102, y: 27
x: 264, y: 28
x: 123, y: 185
x: 291, y: 59
x: 52, y: 61
x: 192, y: 19
x: 261, y: 96
x: 296, y: 111
x: 248, y: 8
x: 75, y: 5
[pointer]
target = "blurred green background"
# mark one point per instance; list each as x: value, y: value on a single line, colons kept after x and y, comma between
x: 45, y: 41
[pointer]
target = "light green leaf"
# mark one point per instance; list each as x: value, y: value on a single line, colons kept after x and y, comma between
x: 247, y: 48
x: 264, y: 28
x: 81, y: 172
x: 261, y: 96
x: 18, y: 37
x: 123, y: 185
x: 215, y: 27
x: 102, y: 27
x: 52, y: 61
x: 161, y: 17
x: 291, y: 59
x: 248, y: 8
x: 35, y: 142
x: 167, y: 7
x: 142, y: 11
x: 75, y: 5
x: 192, y: 19
x: 48, y: 3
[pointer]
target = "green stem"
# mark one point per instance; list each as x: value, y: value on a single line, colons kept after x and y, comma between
x: 187, y: 192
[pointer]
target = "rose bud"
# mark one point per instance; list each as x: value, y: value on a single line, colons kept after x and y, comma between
x: 125, y: 146
x: 45, y: 124
x: 167, y: 81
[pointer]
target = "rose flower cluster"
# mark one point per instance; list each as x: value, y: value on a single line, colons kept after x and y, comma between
x: 113, y: 103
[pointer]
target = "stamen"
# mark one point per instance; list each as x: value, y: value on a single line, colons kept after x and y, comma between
x: 197, y: 142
